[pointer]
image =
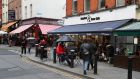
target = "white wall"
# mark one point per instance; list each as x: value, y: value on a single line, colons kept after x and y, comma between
x: 44, y: 8
x: 5, y: 11
x: 128, y: 12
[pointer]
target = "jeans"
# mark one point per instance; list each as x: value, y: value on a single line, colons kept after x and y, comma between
x: 85, y: 64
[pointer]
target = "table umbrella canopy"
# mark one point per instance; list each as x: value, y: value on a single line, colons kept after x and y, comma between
x: 66, y: 39
x: 2, y: 32
x: 30, y: 38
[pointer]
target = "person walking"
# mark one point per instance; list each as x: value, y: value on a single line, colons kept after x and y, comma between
x: 23, y: 46
x: 85, y: 52
x: 92, y: 51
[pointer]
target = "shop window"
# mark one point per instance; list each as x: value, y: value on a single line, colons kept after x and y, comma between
x: 74, y: 6
x: 25, y: 11
x: 101, y: 4
x: 31, y: 10
x: 87, y: 5
x: 130, y: 2
x: 120, y: 3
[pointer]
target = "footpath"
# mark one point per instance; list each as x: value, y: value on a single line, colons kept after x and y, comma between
x: 105, y: 70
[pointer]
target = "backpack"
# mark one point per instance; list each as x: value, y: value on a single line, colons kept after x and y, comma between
x: 85, y: 49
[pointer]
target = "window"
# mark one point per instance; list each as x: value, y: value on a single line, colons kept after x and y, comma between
x: 31, y: 10
x: 102, y: 4
x: 86, y: 5
x: 3, y: 17
x: 6, y: 16
x: 120, y: 3
x: 74, y: 6
x: 25, y: 11
x: 20, y: 12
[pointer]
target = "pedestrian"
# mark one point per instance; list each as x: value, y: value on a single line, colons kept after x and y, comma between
x: 110, y: 53
x: 23, y: 46
x: 30, y: 44
x: 43, y: 51
x: 85, y: 52
x: 60, y: 50
x: 92, y: 51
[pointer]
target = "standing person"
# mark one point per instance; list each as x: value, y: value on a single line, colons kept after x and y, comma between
x: 110, y: 53
x: 60, y: 49
x: 43, y: 52
x: 30, y: 44
x: 92, y: 51
x: 85, y: 52
x: 23, y: 46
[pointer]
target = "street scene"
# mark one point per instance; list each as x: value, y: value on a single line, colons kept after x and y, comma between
x: 70, y: 39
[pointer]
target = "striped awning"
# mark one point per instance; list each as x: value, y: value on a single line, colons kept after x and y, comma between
x: 48, y: 28
x: 21, y: 29
x: 5, y: 27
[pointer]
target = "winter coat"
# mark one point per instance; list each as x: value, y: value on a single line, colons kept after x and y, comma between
x: 60, y: 49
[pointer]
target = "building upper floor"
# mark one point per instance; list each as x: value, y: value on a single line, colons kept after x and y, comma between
x: 43, y: 8
x: 80, y: 7
x: 0, y: 9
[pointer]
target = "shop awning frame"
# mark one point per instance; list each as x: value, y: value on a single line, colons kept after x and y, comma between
x: 132, y: 29
x: 91, y: 28
x: 48, y: 28
x: 21, y: 29
x: 6, y: 26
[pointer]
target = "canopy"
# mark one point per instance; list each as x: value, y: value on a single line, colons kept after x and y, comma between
x: 5, y: 27
x: 2, y: 32
x: 129, y: 30
x: 21, y: 29
x: 66, y: 39
x: 90, y: 28
x: 47, y: 28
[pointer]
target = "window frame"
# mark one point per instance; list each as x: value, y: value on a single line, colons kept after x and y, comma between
x: 75, y: 9
x: 101, y: 8
x: 119, y: 4
x: 85, y: 6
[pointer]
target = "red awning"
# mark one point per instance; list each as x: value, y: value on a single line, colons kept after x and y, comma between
x: 48, y: 28
x: 21, y: 29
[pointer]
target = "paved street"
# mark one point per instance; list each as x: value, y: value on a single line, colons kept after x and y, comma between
x: 12, y: 66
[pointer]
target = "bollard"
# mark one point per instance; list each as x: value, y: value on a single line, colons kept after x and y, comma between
x: 72, y: 63
x: 54, y: 55
x: 130, y: 65
x: 42, y: 52
x: 36, y: 53
x: 95, y: 64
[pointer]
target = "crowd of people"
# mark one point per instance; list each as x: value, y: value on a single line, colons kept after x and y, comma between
x: 68, y: 52
x: 86, y: 51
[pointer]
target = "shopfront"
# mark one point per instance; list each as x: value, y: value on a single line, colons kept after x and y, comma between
x: 128, y: 44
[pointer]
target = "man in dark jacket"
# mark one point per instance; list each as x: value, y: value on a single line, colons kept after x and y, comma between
x: 92, y: 53
x: 23, y: 45
x: 110, y: 53
x: 85, y: 52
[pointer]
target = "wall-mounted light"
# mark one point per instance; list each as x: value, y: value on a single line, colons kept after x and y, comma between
x: 135, y: 40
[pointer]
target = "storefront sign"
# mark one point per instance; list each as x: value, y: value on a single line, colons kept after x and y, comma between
x: 89, y: 18
x: 11, y: 15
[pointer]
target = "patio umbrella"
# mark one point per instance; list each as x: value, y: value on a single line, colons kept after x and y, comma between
x: 66, y: 39
x: 30, y: 38
x: 3, y: 32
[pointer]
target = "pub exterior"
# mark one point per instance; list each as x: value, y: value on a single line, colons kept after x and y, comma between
x: 99, y: 19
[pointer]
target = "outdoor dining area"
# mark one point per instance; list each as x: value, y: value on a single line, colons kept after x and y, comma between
x: 70, y: 52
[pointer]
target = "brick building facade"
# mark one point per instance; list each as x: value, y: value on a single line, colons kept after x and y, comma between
x: 79, y: 7
x: 15, y: 5
x: 0, y: 10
